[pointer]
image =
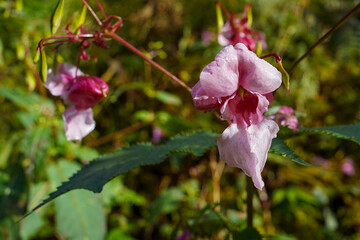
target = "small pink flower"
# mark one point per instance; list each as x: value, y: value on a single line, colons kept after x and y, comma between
x: 240, y: 84
x: 347, y: 167
x: 238, y: 31
x: 285, y: 116
x: 185, y: 235
x: 157, y: 134
x: 81, y: 92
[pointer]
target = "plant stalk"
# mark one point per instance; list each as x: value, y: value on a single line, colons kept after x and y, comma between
x: 249, y: 202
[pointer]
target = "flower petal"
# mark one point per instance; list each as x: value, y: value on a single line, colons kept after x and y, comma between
x: 78, y: 123
x: 201, y: 100
x: 247, y: 148
x: 256, y: 74
x: 221, y: 77
x: 68, y: 69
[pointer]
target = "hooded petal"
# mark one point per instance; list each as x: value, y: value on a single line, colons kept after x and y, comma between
x: 247, y: 109
x: 247, y: 148
x: 201, y: 100
x: 68, y: 69
x: 255, y: 74
x: 78, y: 123
x: 221, y: 77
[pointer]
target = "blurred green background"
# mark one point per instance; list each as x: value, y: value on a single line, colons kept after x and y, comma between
x: 159, y: 202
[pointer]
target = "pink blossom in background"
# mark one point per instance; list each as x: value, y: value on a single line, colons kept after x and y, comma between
x: 207, y: 37
x: 238, y: 31
x: 157, y: 134
x: 185, y: 235
x: 347, y: 167
x: 240, y: 84
x: 81, y: 92
x: 285, y: 116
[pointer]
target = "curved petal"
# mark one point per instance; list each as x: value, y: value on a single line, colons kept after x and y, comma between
x: 201, y: 100
x: 55, y: 84
x: 247, y: 148
x: 68, y: 69
x: 227, y: 32
x: 221, y: 77
x: 256, y: 74
x: 78, y: 123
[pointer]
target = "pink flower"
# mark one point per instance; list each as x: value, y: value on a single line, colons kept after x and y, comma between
x: 238, y: 31
x: 347, y: 167
x: 81, y: 92
x: 240, y: 84
x: 285, y: 116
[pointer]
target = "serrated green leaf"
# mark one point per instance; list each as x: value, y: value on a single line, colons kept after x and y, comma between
x: 279, y: 147
x: 43, y: 65
x: 101, y: 170
x: 57, y: 16
x: 248, y: 234
x: 80, y: 207
x: 79, y: 20
x: 349, y: 132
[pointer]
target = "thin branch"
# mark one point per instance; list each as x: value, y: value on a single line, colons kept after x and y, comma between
x: 143, y: 56
x: 101, y: 8
x: 92, y: 12
x: 337, y: 25
x: 249, y: 202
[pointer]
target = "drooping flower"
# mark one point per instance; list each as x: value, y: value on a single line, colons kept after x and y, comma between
x: 240, y: 84
x: 285, y: 116
x: 81, y: 92
x: 238, y: 30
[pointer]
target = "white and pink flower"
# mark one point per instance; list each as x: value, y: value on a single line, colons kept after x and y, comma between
x: 81, y: 92
x: 240, y: 84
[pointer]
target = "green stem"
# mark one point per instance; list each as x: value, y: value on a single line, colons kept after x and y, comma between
x: 249, y: 202
x: 337, y: 25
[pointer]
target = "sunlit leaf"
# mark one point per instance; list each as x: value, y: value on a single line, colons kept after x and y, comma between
x: 79, y: 20
x: 57, y: 16
x: 43, y: 65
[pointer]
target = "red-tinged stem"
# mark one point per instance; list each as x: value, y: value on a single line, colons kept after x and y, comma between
x: 336, y: 26
x: 92, y: 12
x: 101, y: 9
x: 41, y: 43
x: 143, y: 56
x: 54, y: 42
x: 228, y: 15
x: 249, y: 202
x: 277, y: 57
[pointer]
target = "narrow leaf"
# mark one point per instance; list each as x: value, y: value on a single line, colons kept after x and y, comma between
x: 57, y: 16
x: 279, y: 147
x: 349, y: 132
x: 79, y: 20
x: 37, y: 56
x: 43, y: 65
x: 101, y: 170
x: 219, y: 16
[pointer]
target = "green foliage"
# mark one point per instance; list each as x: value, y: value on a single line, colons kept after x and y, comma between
x: 56, y: 16
x: 248, y: 233
x: 349, y: 132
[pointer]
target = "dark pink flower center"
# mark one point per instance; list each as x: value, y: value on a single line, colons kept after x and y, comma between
x: 85, y: 92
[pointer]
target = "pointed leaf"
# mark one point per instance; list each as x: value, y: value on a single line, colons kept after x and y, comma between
x: 79, y: 20
x: 349, y: 132
x: 279, y: 147
x: 101, y: 170
x: 37, y: 56
x: 57, y: 16
x: 43, y: 65
x: 219, y: 16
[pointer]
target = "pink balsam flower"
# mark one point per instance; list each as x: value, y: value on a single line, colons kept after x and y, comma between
x: 240, y: 84
x: 285, y: 116
x: 238, y: 30
x: 81, y: 92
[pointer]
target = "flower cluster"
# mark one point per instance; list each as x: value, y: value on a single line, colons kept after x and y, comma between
x: 237, y: 30
x: 240, y: 84
x: 81, y: 93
